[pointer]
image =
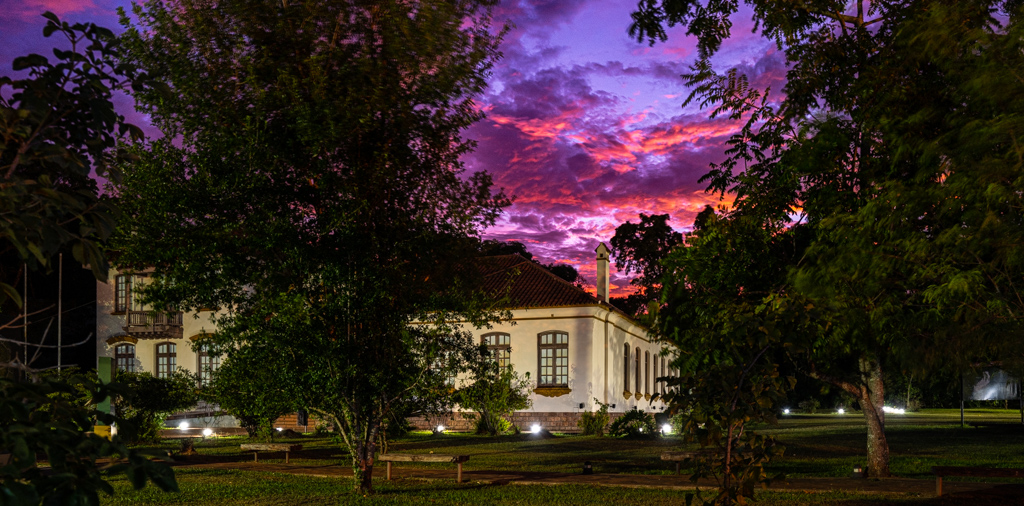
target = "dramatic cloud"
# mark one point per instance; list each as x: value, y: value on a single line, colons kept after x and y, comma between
x: 584, y: 125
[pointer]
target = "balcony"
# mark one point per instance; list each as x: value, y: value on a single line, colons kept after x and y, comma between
x: 152, y: 325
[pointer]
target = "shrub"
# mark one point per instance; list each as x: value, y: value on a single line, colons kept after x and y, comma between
x: 150, y: 400
x: 594, y: 423
x: 245, y: 387
x: 634, y: 423
x: 810, y: 405
x: 495, y: 393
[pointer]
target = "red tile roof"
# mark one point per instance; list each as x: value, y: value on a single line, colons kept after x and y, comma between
x: 529, y: 285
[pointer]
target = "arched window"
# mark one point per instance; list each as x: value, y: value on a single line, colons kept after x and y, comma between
x: 553, y: 358
x: 647, y: 372
x: 208, y: 363
x: 498, y: 344
x: 166, y: 357
x: 637, y: 369
x: 124, y: 357
x: 625, y: 368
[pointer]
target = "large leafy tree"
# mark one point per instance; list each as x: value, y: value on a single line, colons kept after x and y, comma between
x: 639, y: 248
x: 309, y: 184
x: 895, y: 140
x: 57, y: 128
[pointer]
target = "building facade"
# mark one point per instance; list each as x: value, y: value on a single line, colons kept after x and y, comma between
x: 578, y: 349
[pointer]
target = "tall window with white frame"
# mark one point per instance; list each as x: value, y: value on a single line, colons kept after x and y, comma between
x: 647, y: 373
x: 166, y: 358
x: 208, y: 364
x: 124, y: 357
x: 122, y: 293
x: 664, y: 384
x: 636, y: 368
x: 553, y: 358
x: 625, y: 368
x: 499, y: 344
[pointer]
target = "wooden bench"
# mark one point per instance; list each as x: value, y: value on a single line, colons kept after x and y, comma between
x: 680, y: 457
x: 256, y: 448
x: 977, y: 472
x: 424, y: 457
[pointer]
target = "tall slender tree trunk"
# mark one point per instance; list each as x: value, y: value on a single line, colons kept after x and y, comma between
x: 872, y: 400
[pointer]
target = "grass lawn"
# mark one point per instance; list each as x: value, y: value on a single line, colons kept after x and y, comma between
x: 816, y: 446
x: 230, y: 488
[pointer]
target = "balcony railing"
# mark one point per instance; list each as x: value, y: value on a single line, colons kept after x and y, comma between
x: 154, y: 324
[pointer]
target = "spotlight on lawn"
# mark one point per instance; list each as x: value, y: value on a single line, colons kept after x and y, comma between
x: 535, y: 428
x: 207, y: 432
x: 666, y: 429
x: 183, y: 426
x: 895, y: 411
x: 279, y: 429
x: 785, y: 411
x: 841, y: 411
x: 439, y: 429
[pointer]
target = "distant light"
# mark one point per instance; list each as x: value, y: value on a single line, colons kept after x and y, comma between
x: 785, y: 411
x: 183, y: 426
x: 666, y: 429
x: 207, y: 432
x: 535, y: 428
x: 440, y: 428
x: 279, y: 429
x: 841, y: 411
x: 897, y: 411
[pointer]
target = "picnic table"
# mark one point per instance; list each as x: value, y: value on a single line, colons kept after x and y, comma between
x: 424, y: 457
x: 256, y: 448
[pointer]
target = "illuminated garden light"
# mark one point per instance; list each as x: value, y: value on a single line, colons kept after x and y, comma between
x: 535, y: 428
x: 897, y: 411
x: 183, y: 426
x: 841, y: 411
x: 666, y: 429
x: 439, y: 429
x: 785, y: 411
x: 207, y: 432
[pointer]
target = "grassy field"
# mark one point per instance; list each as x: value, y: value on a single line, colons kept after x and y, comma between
x: 816, y: 446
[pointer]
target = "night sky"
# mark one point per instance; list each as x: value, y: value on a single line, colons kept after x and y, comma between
x: 584, y: 126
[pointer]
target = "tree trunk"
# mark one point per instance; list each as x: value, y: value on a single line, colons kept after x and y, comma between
x: 872, y: 400
x: 362, y: 465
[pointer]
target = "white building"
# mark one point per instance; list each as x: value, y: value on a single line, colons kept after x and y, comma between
x: 576, y: 347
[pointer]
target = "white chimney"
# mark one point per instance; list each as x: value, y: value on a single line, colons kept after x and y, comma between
x: 602, y: 272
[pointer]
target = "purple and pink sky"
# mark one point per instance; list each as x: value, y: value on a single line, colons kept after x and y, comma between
x: 584, y: 125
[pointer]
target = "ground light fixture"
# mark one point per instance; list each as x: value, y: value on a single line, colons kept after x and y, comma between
x: 892, y: 410
x: 666, y: 429
x: 785, y: 411
x: 439, y: 429
x: 535, y: 428
x: 183, y: 426
x: 841, y: 411
x: 207, y: 432
x: 279, y: 429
